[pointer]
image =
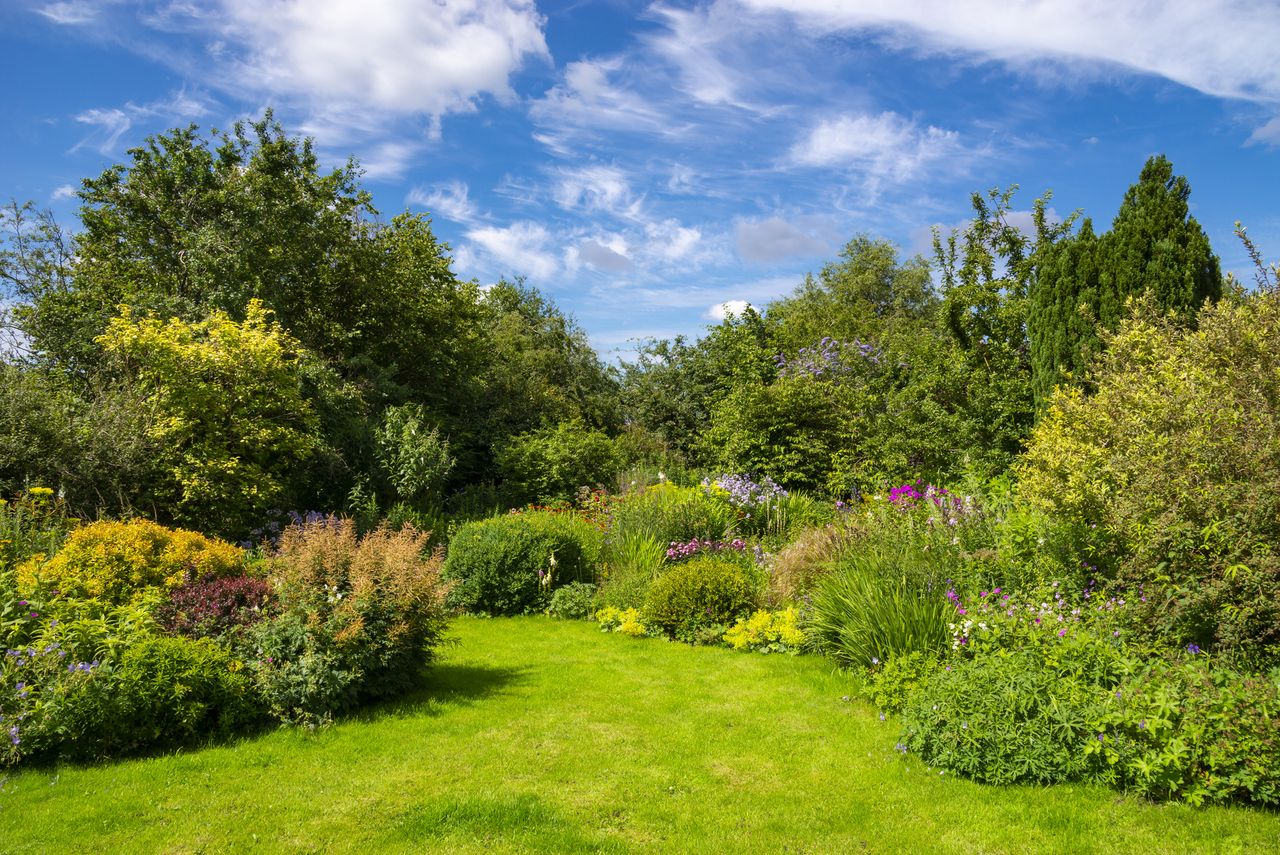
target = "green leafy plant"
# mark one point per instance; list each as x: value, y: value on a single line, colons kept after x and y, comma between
x: 511, y: 564
x: 572, y: 601
x: 705, y: 593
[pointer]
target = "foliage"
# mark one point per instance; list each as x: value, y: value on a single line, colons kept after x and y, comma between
x: 796, y: 569
x: 700, y: 594
x: 34, y: 523
x: 669, y: 513
x: 895, y: 682
x: 552, y: 463
x: 572, y: 601
x: 631, y: 560
x: 1082, y: 283
x: 119, y: 561
x: 768, y: 632
x: 414, y: 459
x: 625, y: 621
x: 230, y: 415
x: 879, y: 603
x: 510, y: 564
x: 1163, y: 466
x: 214, y: 606
x: 357, y: 618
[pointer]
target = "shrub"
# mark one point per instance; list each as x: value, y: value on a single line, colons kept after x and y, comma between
x: 625, y: 621
x: 631, y: 561
x: 554, y: 462
x: 670, y: 513
x: 572, y: 601
x: 414, y: 459
x: 700, y: 594
x: 33, y: 524
x: 895, y: 682
x: 1167, y: 459
x: 1004, y: 718
x: 212, y: 606
x: 118, y: 561
x: 877, y: 604
x: 510, y: 564
x: 767, y: 632
x: 162, y: 691
x: 358, y: 618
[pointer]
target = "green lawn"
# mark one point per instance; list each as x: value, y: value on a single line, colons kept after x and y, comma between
x: 543, y: 736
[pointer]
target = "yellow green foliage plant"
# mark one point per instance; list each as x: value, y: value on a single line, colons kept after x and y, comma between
x: 768, y: 632
x: 625, y: 621
x: 228, y: 409
x: 121, y: 562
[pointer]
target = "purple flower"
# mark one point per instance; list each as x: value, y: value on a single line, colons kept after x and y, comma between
x: 1193, y: 648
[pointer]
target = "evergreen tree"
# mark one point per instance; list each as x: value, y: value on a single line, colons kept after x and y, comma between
x: 1082, y: 283
x: 1155, y: 245
x: 1063, y: 312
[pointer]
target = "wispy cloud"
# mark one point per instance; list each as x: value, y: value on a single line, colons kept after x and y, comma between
x: 65, y: 191
x: 450, y: 200
x: 1224, y: 48
x: 112, y: 123
x: 1268, y: 134
x: 70, y: 12
x: 774, y: 238
x: 887, y: 145
x: 521, y: 249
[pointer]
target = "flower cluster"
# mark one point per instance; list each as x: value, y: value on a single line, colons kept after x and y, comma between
x: 827, y: 358
x: 277, y: 521
x: 625, y: 621
x: 27, y: 677
x: 767, y: 632
x: 678, y: 551
x: 742, y: 492
x: 1050, y: 615
x: 952, y: 508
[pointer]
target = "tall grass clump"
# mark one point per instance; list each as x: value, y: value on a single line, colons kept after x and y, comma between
x: 877, y: 604
x: 632, y: 561
x: 670, y: 513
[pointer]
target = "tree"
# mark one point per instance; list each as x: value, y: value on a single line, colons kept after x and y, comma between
x: 228, y: 415
x: 1082, y: 284
x: 1156, y: 246
x: 865, y: 295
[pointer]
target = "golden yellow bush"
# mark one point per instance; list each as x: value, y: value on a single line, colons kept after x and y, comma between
x: 118, y: 561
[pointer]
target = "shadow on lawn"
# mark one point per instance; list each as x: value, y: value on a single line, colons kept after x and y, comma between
x: 444, y: 683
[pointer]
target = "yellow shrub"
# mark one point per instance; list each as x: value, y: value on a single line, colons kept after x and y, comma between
x: 117, y: 561
x: 626, y: 621
x: 767, y: 632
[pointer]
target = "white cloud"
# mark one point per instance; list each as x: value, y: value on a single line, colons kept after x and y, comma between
x: 398, y: 56
x: 669, y: 241
x: 722, y: 311
x: 451, y: 201
x: 1268, y: 134
x: 69, y: 13
x: 1220, y: 47
x: 774, y: 238
x: 113, y: 122
x: 886, y: 146
x: 520, y: 249
x: 588, y: 98
x: 389, y: 159
x: 66, y: 191
x: 596, y: 188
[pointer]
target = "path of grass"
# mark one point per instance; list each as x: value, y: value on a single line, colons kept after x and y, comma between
x: 538, y: 736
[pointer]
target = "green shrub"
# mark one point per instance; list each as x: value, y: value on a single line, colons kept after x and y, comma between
x: 705, y: 593
x: 899, y: 679
x: 1166, y: 464
x: 552, y: 463
x: 162, y: 691
x: 510, y: 564
x: 631, y: 561
x: 358, y: 618
x: 33, y: 524
x: 879, y: 603
x: 573, y: 601
x: 1004, y: 718
x: 120, y: 561
x: 414, y: 459
x: 670, y: 513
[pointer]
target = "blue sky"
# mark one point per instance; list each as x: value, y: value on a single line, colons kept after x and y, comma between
x: 648, y: 163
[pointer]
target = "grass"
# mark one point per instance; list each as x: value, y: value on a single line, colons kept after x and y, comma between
x: 543, y: 736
